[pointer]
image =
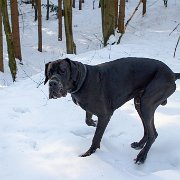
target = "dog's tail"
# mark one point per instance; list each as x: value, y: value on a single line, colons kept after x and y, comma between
x: 177, y: 75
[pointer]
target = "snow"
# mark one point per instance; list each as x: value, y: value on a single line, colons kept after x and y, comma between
x: 42, y: 138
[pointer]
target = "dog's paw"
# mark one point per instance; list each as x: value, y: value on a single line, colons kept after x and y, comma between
x: 137, y: 145
x: 141, y: 157
x: 88, y: 153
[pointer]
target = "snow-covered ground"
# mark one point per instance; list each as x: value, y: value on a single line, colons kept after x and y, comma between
x: 41, y: 138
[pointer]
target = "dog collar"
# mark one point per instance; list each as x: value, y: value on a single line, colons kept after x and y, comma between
x: 81, y: 82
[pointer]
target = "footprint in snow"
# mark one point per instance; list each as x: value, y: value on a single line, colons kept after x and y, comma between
x: 21, y: 110
x: 84, y: 133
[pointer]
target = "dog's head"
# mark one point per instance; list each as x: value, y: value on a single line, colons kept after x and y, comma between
x: 61, y: 74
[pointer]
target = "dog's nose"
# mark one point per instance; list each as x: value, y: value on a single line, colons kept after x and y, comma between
x: 53, y: 83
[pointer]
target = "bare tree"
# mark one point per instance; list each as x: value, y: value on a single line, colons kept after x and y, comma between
x: 47, y: 12
x: 60, y: 20
x: 74, y: 3
x: 15, y: 29
x: 144, y: 6
x: 121, y: 16
x: 39, y: 25
x: 1, y: 41
x: 35, y: 10
x: 108, y: 19
x: 9, y: 39
x: 80, y: 4
x: 116, y: 13
x: 70, y: 46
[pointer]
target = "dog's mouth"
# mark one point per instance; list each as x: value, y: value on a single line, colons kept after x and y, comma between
x: 54, y: 95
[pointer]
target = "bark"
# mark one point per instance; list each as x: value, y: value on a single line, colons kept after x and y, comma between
x: 108, y: 19
x: 60, y: 20
x: 68, y: 26
x: 9, y: 39
x: 39, y: 25
x: 15, y: 29
x: 121, y: 27
x: 1, y: 42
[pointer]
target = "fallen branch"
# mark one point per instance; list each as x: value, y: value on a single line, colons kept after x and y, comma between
x: 176, y: 46
x: 125, y: 26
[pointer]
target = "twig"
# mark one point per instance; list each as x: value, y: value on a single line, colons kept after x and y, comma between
x: 174, y: 29
x: 176, y: 46
x: 125, y: 26
x: 98, y: 38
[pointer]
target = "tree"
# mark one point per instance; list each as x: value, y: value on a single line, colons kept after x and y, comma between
x: 70, y: 46
x: 121, y: 16
x: 144, y: 6
x: 74, y: 3
x: 60, y: 20
x: 1, y: 42
x: 35, y: 10
x: 108, y: 18
x: 9, y: 39
x: 47, y: 13
x: 15, y: 29
x: 39, y: 25
x: 116, y: 13
x: 80, y: 4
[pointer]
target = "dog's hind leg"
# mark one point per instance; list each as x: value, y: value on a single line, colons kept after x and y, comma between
x: 153, y: 96
x: 89, y: 120
x: 137, y: 103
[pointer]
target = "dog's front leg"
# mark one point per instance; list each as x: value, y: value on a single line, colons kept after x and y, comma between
x: 101, y: 126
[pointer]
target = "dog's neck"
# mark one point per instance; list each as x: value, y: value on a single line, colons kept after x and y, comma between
x: 80, y: 79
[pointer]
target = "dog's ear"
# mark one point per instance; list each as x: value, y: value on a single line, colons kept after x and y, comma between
x: 73, y: 69
x: 64, y: 65
x: 46, y: 75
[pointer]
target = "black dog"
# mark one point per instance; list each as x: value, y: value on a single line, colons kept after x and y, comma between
x: 103, y: 88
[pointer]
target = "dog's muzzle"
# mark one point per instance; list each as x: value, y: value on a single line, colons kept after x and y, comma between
x: 56, y: 89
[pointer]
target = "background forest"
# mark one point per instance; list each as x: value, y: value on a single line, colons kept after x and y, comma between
x: 42, y: 138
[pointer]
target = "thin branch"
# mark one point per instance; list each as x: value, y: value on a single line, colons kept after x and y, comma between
x: 174, y: 29
x: 176, y: 46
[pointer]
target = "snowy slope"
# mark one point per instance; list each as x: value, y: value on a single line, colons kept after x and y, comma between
x: 41, y: 138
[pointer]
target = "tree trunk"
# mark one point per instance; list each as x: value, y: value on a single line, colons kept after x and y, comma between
x: 1, y: 42
x: 121, y: 16
x: 144, y: 6
x: 116, y: 13
x: 68, y: 26
x: 60, y: 20
x: 80, y: 4
x: 47, y: 13
x: 39, y: 25
x: 15, y: 29
x: 35, y: 10
x: 32, y: 3
x: 9, y: 39
x: 74, y: 4
x: 108, y: 19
